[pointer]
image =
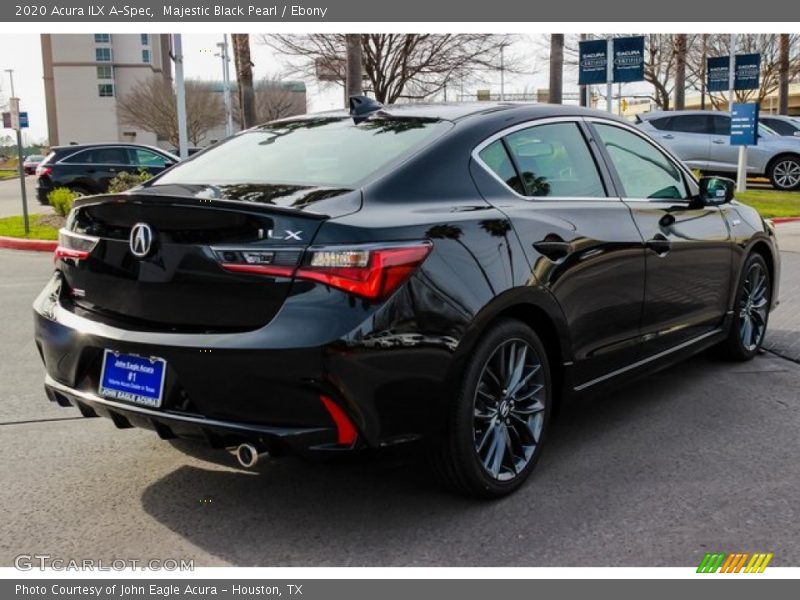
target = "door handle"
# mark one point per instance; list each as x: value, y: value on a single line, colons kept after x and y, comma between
x: 717, y: 141
x: 668, y: 136
x: 553, y: 247
x: 112, y: 170
x: 659, y: 244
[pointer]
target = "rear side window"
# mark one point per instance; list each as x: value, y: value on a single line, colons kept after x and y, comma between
x: 690, y: 124
x: 554, y: 160
x: 496, y: 158
x: 100, y: 156
x: 664, y: 123
x: 323, y: 151
x: 645, y: 171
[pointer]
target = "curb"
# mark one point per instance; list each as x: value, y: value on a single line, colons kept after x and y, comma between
x: 12, y: 243
x: 779, y: 220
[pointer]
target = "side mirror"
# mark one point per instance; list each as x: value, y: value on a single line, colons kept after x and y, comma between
x: 716, y: 190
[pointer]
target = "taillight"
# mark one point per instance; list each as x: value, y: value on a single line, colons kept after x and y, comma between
x: 74, y: 245
x: 43, y: 170
x: 369, y: 272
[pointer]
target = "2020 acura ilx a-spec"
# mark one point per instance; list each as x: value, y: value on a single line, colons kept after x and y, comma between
x: 446, y: 274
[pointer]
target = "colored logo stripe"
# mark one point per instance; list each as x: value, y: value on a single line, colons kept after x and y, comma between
x: 711, y: 562
x: 734, y: 563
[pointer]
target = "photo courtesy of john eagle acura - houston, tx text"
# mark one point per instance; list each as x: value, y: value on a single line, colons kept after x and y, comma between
x: 445, y: 275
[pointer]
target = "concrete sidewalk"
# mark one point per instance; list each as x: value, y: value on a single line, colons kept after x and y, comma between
x: 783, y: 333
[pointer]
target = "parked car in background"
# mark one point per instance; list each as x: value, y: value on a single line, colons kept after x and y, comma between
x: 787, y: 126
x: 702, y: 140
x: 442, y: 274
x: 88, y: 169
x: 31, y: 162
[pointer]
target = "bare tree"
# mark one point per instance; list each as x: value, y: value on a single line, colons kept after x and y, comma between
x: 412, y: 66
x: 783, y: 74
x: 244, y: 78
x: 355, y: 73
x: 274, y: 99
x: 556, y: 68
x: 150, y: 105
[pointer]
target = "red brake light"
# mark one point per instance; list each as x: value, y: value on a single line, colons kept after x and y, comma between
x: 74, y: 245
x: 372, y: 273
x: 345, y: 430
x: 43, y: 170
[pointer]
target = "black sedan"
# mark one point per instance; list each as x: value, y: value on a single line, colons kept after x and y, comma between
x: 89, y: 168
x: 441, y: 274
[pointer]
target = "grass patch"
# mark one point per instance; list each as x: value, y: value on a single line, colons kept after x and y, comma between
x: 7, y: 174
x: 771, y: 203
x: 43, y: 227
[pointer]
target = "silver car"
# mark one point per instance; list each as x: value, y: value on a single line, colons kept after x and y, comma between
x: 702, y: 140
x: 782, y: 125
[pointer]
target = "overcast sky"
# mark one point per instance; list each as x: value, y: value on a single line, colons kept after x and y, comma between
x: 22, y: 53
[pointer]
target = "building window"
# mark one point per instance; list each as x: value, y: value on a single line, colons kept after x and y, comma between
x: 145, y: 56
x: 105, y: 90
x: 102, y: 38
x: 145, y: 39
x: 104, y: 72
x: 102, y: 54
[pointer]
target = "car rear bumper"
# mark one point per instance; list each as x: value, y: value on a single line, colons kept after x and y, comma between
x: 170, y: 425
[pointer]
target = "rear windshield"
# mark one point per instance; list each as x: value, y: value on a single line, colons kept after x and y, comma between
x: 324, y: 151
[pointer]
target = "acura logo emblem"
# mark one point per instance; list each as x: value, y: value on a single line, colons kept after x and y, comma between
x: 141, y: 240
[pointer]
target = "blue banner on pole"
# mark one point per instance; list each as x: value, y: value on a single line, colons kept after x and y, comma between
x: 717, y: 69
x: 744, y: 124
x: 628, y: 59
x: 748, y: 71
x: 593, y: 63
x: 23, y: 120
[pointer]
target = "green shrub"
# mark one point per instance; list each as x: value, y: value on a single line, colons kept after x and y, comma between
x: 125, y: 181
x: 61, y: 200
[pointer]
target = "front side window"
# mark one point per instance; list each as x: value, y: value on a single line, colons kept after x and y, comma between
x: 645, y: 171
x: 323, y: 151
x: 554, y: 160
x: 145, y: 158
x: 105, y: 90
x: 780, y: 127
x: 102, y: 54
x: 721, y: 125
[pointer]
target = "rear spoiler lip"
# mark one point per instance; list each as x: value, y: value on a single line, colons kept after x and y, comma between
x: 216, y: 203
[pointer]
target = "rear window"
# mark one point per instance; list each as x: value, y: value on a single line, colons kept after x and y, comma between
x: 325, y: 151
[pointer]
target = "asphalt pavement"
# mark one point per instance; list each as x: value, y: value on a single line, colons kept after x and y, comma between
x: 11, y: 197
x: 697, y: 458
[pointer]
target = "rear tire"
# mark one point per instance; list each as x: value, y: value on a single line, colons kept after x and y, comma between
x: 750, y: 310
x: 80, y: 191
x: 499, y: 415
x: 784, y: 172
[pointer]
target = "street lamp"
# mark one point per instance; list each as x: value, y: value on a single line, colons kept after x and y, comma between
x: 226, y: 83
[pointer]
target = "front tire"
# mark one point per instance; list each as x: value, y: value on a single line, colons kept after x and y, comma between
x: 751, y: 310
x: 499, y: 417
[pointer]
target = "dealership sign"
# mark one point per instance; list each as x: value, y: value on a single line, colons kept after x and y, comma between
x: 744, y: 124
x: 748, y: 71
x: 628, y: 60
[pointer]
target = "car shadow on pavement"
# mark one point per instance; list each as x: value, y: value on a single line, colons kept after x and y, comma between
x: 383, y: 510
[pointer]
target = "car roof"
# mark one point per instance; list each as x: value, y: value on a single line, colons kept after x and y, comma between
x: 77, y: 147
x: 657, y: 114
x: 789, y: 118
x: 457, y: 111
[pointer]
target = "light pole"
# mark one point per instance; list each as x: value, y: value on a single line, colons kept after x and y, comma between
x: 180, y: 96
x: 20, y: 167
x: 226, y: 83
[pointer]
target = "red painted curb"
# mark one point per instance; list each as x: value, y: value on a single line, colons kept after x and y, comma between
x: 779, y: 220
x: 12, y: 243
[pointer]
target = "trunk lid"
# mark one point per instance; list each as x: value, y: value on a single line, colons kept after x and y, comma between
x: 183, y: 282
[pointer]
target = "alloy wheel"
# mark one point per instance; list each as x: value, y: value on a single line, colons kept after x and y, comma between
x: 509, y: 409
x: 787, y: 174
x: 753, y: 307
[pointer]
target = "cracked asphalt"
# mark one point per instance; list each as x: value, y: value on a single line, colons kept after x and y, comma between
x: 700, y: 457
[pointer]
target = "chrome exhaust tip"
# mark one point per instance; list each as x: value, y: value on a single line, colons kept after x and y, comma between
x: 248, y: 455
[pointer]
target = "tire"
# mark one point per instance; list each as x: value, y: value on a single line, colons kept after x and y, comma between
x: 473, y: 458
x: 80, y: 191
x: 784, y: 172
x: 751, y: 310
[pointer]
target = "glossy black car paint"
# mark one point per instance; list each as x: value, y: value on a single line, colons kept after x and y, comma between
x: 87, y: 178
x: 248, y: 364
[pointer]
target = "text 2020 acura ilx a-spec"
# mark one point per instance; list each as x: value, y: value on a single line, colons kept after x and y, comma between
x: 446, y: 274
